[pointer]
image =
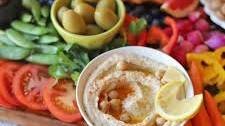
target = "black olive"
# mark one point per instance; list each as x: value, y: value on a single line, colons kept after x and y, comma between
x: 9, y: 12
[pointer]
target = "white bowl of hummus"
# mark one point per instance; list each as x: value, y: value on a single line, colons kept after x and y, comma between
x: 118, y: 87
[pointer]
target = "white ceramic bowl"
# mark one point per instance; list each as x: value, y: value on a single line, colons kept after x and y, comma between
x: 212, y: 15
x: 153, y: 54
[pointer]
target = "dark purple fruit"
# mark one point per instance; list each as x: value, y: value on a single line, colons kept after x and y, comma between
x: 9, y: 11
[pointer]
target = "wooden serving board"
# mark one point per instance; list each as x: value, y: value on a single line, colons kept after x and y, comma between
x: 21, y: 118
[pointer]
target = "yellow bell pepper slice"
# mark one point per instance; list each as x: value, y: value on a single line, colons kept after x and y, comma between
x: 220, y: 97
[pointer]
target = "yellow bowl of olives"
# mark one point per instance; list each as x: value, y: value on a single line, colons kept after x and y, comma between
x: 88, y: 23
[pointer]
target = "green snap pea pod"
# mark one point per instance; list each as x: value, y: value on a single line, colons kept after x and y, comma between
x: 2, y: 32
x: 42, y: 22
x: 13, y: 52
x: 26, y: 17
x: 29, y: 28
x: 19, y: 39
x: 45, y: 11
x: 31, y: 37
x: 36, y: 10
x: 48, y: 49
x: 46, y: 59
x: 5, y: 40
x: 48, y: 39
x: 27, y: 3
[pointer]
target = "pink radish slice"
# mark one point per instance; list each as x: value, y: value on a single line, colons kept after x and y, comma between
x: 201, y: 48
x: 202, y: 25
x: 195, y: 37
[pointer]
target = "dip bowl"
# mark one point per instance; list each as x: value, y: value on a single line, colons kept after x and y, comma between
x: 153, y: 54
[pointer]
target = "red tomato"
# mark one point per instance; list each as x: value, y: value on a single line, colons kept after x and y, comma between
x: 2, y: 61
x: 59, y: 96
x: 4, y: 104
x: 28, y: 84
x: 7, y: 73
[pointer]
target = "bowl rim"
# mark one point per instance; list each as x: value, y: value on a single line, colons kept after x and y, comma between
x: 81, y: 86
x: 121, y: 14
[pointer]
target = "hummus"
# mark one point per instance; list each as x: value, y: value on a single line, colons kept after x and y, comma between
x: 121, y: 91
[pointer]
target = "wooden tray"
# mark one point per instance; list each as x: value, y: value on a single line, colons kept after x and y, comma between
x: 21, y: 118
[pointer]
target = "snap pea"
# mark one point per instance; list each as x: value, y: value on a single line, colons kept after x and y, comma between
x: 27, y: 4
x: 13, y: 52
x: 29, y: 28
x: 19, y: 39
x: 2, y: 32
x: 26, y: 18
x: 45, y: 11
x: 42, y: 22
x: 46, y: 59
x: 31, y: 37
x: 48, y: 39
x: 48, y: 49
x: 5, y: 40
x: 36, y: 10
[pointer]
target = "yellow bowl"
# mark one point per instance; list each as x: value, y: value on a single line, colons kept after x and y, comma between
x: 87, y: 41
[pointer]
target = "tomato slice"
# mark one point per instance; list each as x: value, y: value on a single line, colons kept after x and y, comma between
x: 7, y: 73
x: 28, y: 84
x: 59, y: 96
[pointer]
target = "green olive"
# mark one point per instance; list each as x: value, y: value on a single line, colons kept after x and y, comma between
x: 105, y: 18
x: 73, y: 22
x: 60, y: 13
x: 86, y: 11
x: 110, y: 4
x: 92, y: 1
x: 75, y: 2
x: 93, y: 29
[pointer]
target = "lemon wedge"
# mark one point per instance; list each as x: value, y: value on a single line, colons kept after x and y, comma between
x: 169, y: 106
x: 172, y: 74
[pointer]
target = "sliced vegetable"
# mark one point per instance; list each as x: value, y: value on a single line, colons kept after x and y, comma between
x: 195, y: 37
x: 142, y: 38
x: 59, y: 96
x: 216, y: 41
x: 173, y: 39
x: 26, y: 28
x: 156, y: 35
x: 201, y: 48
x: 13, y: 52
x: 196, y: 78
x: 26, y: 17
x: 19, y: 39
x: 202, y: 118
x: 47, y: 39
x: 36, y: 10
x: 212, y: 110
x: 5, y: 40
x: 48, y: 49
x: 28, y: 86
x: 220, y: 97
x: 45, y: 59
x: 45, y: 11
x: 6, y: 78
